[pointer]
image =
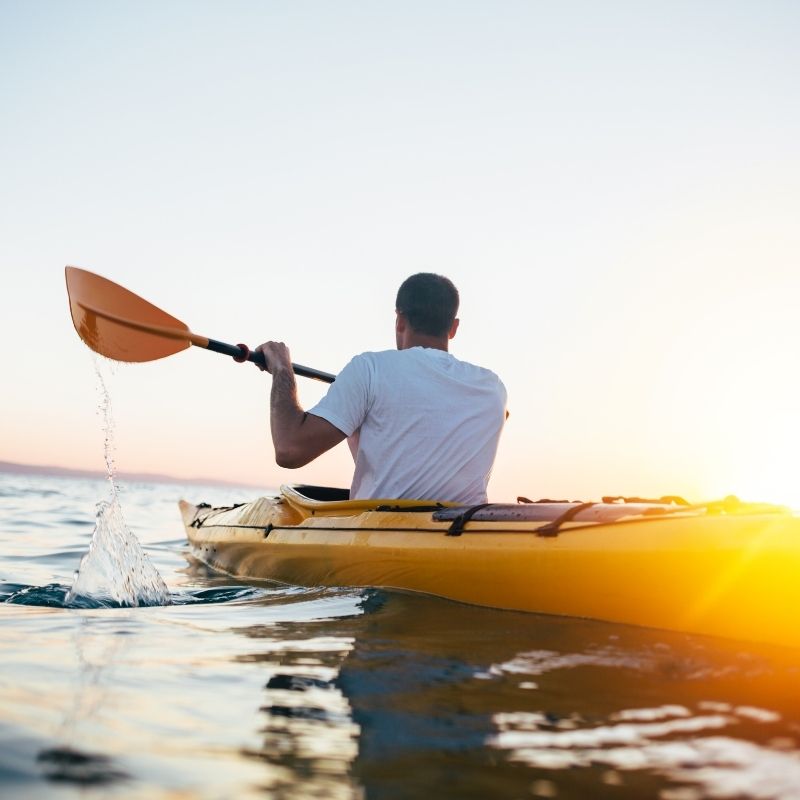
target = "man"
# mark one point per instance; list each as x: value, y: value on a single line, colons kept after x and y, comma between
x: 420, y: 423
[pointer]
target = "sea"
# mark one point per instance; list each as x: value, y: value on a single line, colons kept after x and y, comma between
x: 129, y: 669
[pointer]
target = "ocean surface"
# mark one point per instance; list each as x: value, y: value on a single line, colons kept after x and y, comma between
x: 225, y: 689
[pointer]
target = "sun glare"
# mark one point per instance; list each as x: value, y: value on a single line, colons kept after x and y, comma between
x: 767, y: 468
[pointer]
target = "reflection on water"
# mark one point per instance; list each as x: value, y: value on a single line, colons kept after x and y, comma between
x: 98, y: 647
x: 684, y: 750
x: 708, y: 750
x: 63, y: 764
x: 308, y: 737
x: 590, y: 710
x: 254, y: 691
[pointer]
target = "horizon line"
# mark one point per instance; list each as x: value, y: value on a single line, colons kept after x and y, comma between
x: 20, y: 468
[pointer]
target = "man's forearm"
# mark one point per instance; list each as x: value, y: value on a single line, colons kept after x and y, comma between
x: 286, y: 415
x: 298, y: 437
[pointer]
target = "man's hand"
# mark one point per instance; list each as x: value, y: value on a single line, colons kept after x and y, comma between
x: 276, y: 356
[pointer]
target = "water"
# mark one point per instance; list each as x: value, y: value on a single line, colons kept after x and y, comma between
x: 259, y: 690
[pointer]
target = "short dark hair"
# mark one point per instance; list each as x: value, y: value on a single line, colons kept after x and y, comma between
x: 429, y: 302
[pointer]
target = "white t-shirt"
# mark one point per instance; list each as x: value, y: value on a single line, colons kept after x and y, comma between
x: 420, y: 423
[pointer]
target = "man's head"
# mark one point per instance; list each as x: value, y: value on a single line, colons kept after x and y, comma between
x: 426, y: 306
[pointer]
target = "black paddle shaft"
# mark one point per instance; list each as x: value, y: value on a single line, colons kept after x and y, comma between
x: 241, y: 352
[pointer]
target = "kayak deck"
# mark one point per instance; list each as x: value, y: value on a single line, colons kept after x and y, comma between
x: 722, y: 570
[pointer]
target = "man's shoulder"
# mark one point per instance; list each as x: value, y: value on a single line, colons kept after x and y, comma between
x: 363, y: 366
x: 375, y: 359
x: 414, y: 358
x: 372, y: 355
x: 480, y: 372
x: 371, y: 358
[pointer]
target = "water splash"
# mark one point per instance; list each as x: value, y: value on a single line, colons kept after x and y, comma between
x: 115, y: 570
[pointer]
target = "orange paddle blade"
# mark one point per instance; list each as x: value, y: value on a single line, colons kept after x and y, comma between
x: 118, y: 324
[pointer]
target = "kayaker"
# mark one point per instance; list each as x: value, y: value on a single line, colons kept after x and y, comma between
x: 419, y: 422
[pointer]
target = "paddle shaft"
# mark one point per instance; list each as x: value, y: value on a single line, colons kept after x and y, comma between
x: 235, y: 351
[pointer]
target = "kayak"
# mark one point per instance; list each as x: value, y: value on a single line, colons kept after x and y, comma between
x: 726, y: 568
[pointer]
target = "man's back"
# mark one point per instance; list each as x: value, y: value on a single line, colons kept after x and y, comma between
x: 421, y: 424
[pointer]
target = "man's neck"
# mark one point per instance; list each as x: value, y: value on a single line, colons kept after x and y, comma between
x: 421, y: 340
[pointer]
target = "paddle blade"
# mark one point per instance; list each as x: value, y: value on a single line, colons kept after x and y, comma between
x: 118, y: 324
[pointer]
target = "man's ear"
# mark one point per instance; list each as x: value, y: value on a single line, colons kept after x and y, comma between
x: 453, y: 329
x: 401, y: 322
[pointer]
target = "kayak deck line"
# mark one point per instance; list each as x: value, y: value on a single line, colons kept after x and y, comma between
x: 725, y: 569
x: 558, y: 515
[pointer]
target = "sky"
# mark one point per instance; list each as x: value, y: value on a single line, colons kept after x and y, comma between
x: 614, y: 188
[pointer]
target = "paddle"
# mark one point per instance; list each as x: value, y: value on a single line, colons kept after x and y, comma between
x: 118, y: 324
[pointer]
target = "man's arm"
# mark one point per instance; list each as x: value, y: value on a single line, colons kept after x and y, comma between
x: 298, y: 437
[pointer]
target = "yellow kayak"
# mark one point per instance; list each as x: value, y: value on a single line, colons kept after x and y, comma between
x: 725, y: 569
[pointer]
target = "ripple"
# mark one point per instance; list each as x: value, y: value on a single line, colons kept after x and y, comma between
x: 539, y: 662
x: 720, y: 766
x: 695, y: 665
x: 630, y: 734
x: 54, y: 595
x: 50, y: 596
x: 65, y: 765
x: 222, y: 594
x: 297, y: 683
x: 648, y: 714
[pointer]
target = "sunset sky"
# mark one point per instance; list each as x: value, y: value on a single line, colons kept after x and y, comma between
x: 614, y: 187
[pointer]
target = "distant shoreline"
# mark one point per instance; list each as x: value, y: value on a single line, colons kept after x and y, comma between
x: 14, y: 468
